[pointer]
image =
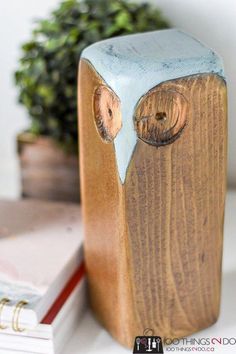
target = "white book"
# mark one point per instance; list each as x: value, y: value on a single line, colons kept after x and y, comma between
x: 50, y: 337
x: 40, y: 248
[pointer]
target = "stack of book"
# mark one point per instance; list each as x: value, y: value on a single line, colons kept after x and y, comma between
x: 42, y: 280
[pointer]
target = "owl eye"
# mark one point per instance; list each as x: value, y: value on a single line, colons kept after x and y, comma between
x: 160, y: 116
x: 107, y: 113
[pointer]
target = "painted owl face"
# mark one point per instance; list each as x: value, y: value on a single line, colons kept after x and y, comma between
x: 159, y: 117
x: 132, y: 104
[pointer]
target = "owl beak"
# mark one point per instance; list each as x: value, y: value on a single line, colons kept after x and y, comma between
x: 124, y: 143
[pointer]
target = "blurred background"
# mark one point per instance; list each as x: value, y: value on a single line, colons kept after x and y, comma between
x: 212, y: 21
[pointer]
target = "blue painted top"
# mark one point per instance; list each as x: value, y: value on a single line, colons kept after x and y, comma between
x: 132, y: 65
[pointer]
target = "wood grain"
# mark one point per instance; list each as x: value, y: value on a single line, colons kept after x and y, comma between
x: 47, y: 171
x: 175, y: 209
x: 107, y: 113
x: 103, y: 216
x: 161, y: 116
x: 154, y: 245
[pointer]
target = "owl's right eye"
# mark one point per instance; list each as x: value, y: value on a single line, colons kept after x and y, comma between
x: 107, y: 113
x: 161, y: 116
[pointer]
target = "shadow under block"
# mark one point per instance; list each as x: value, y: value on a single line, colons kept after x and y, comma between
x: 153, y: 244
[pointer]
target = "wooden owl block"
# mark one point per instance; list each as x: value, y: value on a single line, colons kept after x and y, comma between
x: 153, y: 130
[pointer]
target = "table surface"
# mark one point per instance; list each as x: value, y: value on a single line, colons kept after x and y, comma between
x: 91, y: 338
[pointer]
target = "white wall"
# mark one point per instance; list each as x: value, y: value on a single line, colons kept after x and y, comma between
x: 16, y: 21
x: 212, y: 21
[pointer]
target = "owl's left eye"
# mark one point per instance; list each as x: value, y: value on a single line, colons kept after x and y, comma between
x: 107, y: 113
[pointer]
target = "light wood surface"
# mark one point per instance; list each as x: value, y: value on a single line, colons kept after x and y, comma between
x: 103, y: 216
x: 174, y: 210
x: 154, y: 244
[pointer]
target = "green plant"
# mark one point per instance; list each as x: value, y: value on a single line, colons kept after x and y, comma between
x: 47, y: 73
